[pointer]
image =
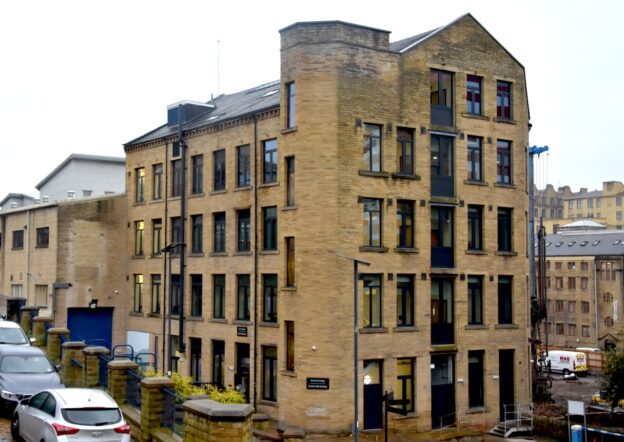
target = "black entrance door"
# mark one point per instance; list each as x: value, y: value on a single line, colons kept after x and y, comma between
x: 373, y: 395
x: 506, y: 383
x: 442, y: 390
x: 241, y: 378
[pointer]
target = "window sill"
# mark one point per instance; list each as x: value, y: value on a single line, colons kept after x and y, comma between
x: 373, y: 174
x: 451, y: 271
x: 243, y: 253
x: 505, y: 186
x: 288, y: 130
x: 268, y: 252
x: 242, y: 322
x: 475, y: 116
x: 406, y: 328
x: 268, y: 324
x: 156, y: 200
x: 17, y: 248
x: 139, y: 314
x: 196, y: 255
x: 197, y: 195
x: 476, y: 327
x: 156, y: 255
x: 41, y: 247
x: 195, y: 319
x: 243, y: 188
x: 436, y: 348
x: 476, y: 183
x: 443, y: 200
x: 138, y: 256
x: 372, y: 330
x: 174, y: 198
x: 218, y: 192
x: 408, y: 250
x: 506, y: 326
x: 138, y: 203
x: 290, y: 288
x: 268, y: 403
x: 218, y: 320
x: 477, y: 410
x: 290, y: 373
x: 475, y: 252
x: 286, y: 208
x: 505, y: 253
x: 504, y: 120
x: 405, y: 176
x: 218, y: 254
x: 153, y: 315
x: 373, y: 249
x: 273, y: 184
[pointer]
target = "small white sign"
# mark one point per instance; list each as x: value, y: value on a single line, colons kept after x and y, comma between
x: 576, y: 407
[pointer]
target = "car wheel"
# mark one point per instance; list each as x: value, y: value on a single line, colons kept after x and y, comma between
x: 15, y: 428
x: 566, y: 372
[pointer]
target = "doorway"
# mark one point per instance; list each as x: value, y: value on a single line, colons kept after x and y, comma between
x: 373, y: 394
x: 442, y: 390
x: 241, y: 378
x: 506, y: 383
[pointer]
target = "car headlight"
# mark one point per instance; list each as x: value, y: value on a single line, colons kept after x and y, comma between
x: 8, y: 395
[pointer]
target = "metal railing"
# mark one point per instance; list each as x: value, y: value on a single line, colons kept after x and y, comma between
x: 518, y: 417
x: 77, y: 363
x: 103, y: 378
x: 173, y: 417
x: 123, y: 351
x: 133, y: 388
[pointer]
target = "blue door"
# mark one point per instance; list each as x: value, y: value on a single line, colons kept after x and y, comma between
x: 92, y: 325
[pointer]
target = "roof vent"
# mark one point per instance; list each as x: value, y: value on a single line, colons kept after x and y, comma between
x: 45, y: 198
x: 71, y: 194
x: 37, y: 201
x: 595, y: 243
x: 185, y: 111
x: 13, y: 205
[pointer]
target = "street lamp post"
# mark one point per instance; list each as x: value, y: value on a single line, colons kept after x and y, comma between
x: 356, y: 413
x: 169, y: 250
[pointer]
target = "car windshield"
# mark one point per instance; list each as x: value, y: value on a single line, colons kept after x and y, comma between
x: 91, y: 416
x: 12, y: 336
x: 25, y: 364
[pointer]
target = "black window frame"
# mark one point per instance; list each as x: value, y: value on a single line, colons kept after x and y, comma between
x: 17, y: 239
x: 175, y: 287
x: 242, y: 297
x: 243, y: 174
x: 372, y: 317
x: 137, y: 306
x: 269, y: 373
x: 369, y: 216
x: 197, y: 180
x: 219, y: 243
x: 290, y: 105
x: 504, y: 100
x: 474, y: 166
x: 504, y: 165
x: 269, y: 297
x: 290, y: 181
x: 405, y: 385
x: 505, y: 299
x: 476, y: 386
x: 405, y: 224
x: 218, y: 170
x: 290, y: 345
x: 218, y: 296
x: 475, y: 227
x: 269, y: 228
x: 505, y: 229
x: 139, y: 185
x: 243, y: 230
x: 196, y: 295
x: 156, y: 288
x: 442, y: 111
x: 157, y: 227
x: 157, y: 181
x: 372, y: 147
x: 139, y: 238
x: 176, y: 233
x: 405, y: 151
x: 269, y: 161
x: 197, y: 232
x: 475, y: 299
x: 474, y: 87
x: 176, y: 178
x: 290, y: 261
x: 43, y: 237
x: 405, y: 301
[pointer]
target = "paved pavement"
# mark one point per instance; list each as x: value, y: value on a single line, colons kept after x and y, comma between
x: 5, y: 430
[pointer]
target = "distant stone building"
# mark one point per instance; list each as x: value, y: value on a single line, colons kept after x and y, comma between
x: 81, y: 176
x: 585, y: 288
x: 411, y: 156
x: 604, y: 206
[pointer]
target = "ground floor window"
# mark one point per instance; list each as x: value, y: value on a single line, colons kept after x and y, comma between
x: 405, y: 383
x: 269, y: 373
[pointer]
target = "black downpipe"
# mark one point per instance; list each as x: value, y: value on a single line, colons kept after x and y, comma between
x: 166, y: 288
x: 255, y: 258
x: 181, y: 343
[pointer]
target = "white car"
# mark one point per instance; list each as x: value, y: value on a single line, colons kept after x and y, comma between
x: 69, y: 414
x: 12, y: 333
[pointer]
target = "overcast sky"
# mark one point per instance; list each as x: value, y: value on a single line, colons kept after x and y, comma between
x: 87, y: 76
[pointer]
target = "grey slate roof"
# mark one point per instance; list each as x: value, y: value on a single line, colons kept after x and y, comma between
x: 227, y: 107
x: 585, y: 243
x: 401, y: 45
x: 84, y: 157
x: 16, y: 196
x: 592, y: 194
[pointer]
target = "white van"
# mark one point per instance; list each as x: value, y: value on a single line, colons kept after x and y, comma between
x: 566, y: 362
